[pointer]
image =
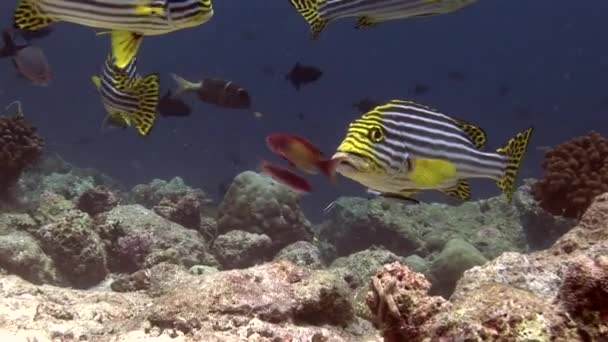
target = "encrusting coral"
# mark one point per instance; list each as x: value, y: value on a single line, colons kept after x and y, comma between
x: 574, y: 173
x: 20, y: 146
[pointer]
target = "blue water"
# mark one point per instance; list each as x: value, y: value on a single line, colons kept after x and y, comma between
x: 551, y: 52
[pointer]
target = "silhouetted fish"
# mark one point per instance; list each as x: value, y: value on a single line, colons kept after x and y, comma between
x: 29, y: 60
x: 421, y: 88
x: 366, y: 104
x: 219, y: 92
x: 168, y: 105
x: 302, y: 74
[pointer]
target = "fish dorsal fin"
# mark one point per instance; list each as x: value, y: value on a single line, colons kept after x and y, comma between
x: 147, y: 90
x: 309, y: 9
x: 476, y: 135
x: 125, y: 45
x: 429, y: 172
x: 461, y: 190
x: 29, y: 16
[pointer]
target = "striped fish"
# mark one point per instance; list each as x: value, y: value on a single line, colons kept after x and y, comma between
x: 128, y: 98
x: 319, y: 13
x: 402, y: 147
x: 127, y: 20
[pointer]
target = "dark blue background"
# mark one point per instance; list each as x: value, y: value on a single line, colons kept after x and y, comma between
x: 551, y: 52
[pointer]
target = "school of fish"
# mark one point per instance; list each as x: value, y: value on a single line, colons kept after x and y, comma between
x: 396, y: 149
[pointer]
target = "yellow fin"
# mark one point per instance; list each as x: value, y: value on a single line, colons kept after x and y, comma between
x: 29, y: 16
x: 147, y: 90
x: 150, y: 9
x: 430, y: 172
x: 309, y: 9
x: 125, y: 45
x: 515, y: 150
x: 461, y: 190
x: 96, y: 81
x: 476, y: 135
x: 365, y: 22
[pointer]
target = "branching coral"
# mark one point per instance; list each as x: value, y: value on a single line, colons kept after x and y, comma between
x: 574, y: 173
x: 20, y: 146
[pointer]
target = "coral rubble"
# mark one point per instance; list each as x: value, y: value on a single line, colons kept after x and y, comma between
x: 574, y: 173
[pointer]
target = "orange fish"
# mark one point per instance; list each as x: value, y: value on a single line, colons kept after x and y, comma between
x: 301, y: 153
x: 286, y: 177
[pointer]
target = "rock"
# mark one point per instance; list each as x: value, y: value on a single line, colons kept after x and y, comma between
x: 542, y: 229
x: 20, y: 254
x: 256, y: 204
x: 152, y: 194
x: 257, y: 304
x: 239, y: 249
x: 302, y: 253
x: 492, y: 226
x: 558, y: 294
x: 456, y: 257
x: 137, y: 238
x: 417, y: 264
x: 357, y: 268
x: 51, y: 207
x: 76, y: 249
x: 202, y: 270
x: 97, y: 200
x: 185, y: 210
x: 155, y: 281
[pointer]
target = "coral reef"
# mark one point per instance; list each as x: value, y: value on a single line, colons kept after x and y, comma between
x: 574, y: 173
x: 256, y: 204
x: 21, y: 147
x: 558, y: 294
x: 97, y: 200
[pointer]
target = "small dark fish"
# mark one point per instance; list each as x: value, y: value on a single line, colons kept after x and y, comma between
x: 219, y: 92
x: 421, y: 88
x: 366, y: 104
x: 504, y: 89
x: 29, y: 60
x: 456, y: 76
x: 302, y: 74
x: 172, y: 106
x: 286, y: 177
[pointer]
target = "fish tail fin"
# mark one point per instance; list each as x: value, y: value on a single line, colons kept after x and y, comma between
x: 29, y: 16
x: 309, y: 9
x: 125, y: 45
x: 183, y: 84
x: 515, y: 151
x: 148, y: 91
x: 328, y: 168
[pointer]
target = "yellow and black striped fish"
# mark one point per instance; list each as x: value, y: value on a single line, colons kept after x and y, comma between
x: 319, y: 13
x: 129, y: 99
x: 127, y: 20
x: 402, y: 147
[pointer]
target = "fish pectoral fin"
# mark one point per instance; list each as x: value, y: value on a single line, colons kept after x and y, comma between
x: 96, y: 81
x: 365, y: 22
x: 29, y: 16
x: 476, y: 135
x: 515, y: 151
x: 461, y: 190
x: 125, y: 45
x: 309, y: 9
x: 430, y: 172
x: 148, y: 92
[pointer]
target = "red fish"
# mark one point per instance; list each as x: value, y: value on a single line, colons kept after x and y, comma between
x: 301, y: 153
x: 285, y: 177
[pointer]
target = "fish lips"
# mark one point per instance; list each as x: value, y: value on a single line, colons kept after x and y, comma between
x: 349, y: 162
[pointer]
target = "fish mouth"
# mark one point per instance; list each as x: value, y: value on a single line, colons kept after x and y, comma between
x: 349, y: 162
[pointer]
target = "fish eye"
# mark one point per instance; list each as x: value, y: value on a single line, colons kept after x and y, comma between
x: 376, y: 134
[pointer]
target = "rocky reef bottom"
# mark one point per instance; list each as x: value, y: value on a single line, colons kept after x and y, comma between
x: 83, y: 260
